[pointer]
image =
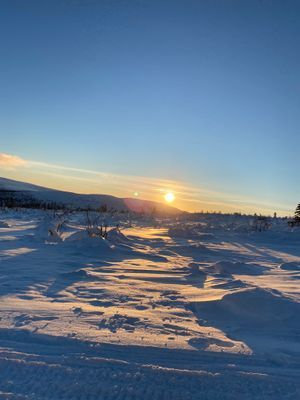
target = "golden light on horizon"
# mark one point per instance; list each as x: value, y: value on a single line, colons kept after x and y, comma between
x: 169, y: 197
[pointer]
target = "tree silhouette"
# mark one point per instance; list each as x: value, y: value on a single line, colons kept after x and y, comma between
x: 297, y: 213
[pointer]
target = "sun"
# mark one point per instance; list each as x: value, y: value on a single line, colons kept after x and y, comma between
x: 169, y: 197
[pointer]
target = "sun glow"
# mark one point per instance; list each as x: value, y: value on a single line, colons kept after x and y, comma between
x: 169, y: 197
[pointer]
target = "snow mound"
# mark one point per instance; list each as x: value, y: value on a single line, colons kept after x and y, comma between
x: 252, y: 307
x: 46, y: 230
x: 79, y: 274
x: 236, y: 268
x: 77, y: 236
x: 115, y: 236
x: 83, y: 241
x: 3, y: 224
x: 291, y: 266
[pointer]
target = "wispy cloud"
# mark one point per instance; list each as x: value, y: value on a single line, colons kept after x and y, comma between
x: 189, y: 197
x: 9, y: 161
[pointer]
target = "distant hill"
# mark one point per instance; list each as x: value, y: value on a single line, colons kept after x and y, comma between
x: 26, y: 194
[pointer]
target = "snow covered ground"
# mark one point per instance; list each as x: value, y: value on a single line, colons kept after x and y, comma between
x: 205, y: 309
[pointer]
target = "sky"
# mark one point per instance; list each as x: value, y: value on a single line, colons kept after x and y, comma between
x: 200, y: 98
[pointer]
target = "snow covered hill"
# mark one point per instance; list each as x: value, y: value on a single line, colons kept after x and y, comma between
x: 27, y: 191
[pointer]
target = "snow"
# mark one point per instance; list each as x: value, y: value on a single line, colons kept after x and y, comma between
x: 204, y: 309
x: 22, y: 191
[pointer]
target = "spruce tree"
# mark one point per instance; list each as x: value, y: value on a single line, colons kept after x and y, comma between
x: 297, y: 213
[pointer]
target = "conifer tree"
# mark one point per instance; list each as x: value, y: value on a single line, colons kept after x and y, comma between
x: 297, y: 212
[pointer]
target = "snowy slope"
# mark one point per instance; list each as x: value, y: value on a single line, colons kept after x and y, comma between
x: 85, y: 200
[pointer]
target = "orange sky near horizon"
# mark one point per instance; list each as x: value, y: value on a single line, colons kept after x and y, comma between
x: 187, y: 197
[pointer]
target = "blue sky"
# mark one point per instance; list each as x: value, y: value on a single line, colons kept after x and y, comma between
x: 198, y: 94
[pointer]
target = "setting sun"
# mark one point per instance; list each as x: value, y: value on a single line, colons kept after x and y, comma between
x: 151, y: 225
x: 169, y: 197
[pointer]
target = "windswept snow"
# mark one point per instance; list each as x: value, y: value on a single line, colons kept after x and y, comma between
x: 205, y: 309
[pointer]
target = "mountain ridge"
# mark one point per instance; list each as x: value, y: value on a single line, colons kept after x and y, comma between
x: 80, y: 200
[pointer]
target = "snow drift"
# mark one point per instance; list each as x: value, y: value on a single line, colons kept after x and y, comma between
x: 253, y: 308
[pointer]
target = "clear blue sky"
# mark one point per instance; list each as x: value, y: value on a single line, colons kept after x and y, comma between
x: 204, y: 92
